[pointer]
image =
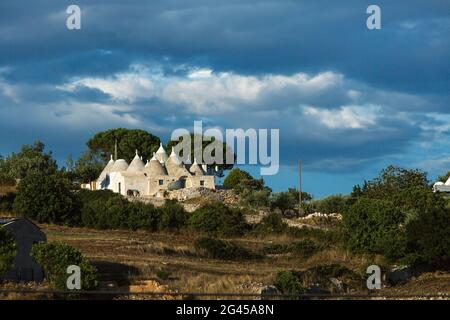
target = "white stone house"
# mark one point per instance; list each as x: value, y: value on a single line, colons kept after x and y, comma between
x: 442, y: 187
x: 161, y: 173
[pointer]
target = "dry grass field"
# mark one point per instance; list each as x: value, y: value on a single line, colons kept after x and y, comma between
x: 140, y: 261
x: 136, y: 260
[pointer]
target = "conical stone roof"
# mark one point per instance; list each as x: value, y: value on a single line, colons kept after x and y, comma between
x: 195, y: 169
x: 154, y: 168
x: 137, y: 165
x: 119, y: 165
x: 161, y: 154
x: 107, y: 168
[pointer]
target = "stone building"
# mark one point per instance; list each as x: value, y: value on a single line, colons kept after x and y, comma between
x: 442, y: 187
x: 25, y: 234
x: 159, y: 174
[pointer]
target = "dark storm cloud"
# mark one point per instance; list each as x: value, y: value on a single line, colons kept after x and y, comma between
x: 402, y: 69
x: 408, y: 54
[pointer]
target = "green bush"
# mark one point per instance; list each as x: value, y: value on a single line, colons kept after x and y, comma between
x: 373, y: 225
x: 88, y: 196
x: 142, y: 216
x: 288, y: 283
x: 255, y: 198
x: 271, y: 224
x: 331, y: 204
x: 55, y: 257
x: 219, y: 249
x: 7, y: 251
x: 327, y: 237
x: 294, y: 283
x: 7, y: 202
x: 216, y: 219
x: 47, y: 199
x: 172, y: 216
x: 428, y: 237
x: 106, y: 211
x: 289, y: 200
x: 163, y: 274
x: 303, y: 248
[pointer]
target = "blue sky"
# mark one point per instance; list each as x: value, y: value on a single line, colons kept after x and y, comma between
x: 347, y: 100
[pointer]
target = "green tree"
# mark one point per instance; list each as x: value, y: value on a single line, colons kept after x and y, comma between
x: 7, y: 251
x: 205, y: 142
x: 289, y: 200
x: 31, y: 159
x: 88, y: 166
x: 236, y: 177
x: 128, y: 141
x: 47, y: 199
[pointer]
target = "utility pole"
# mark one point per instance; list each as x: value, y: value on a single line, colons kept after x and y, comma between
x: 300, y: 211
x: 115, y: 150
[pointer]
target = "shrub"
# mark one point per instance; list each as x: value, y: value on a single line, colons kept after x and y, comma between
x: 106, y: 210
x: 255, y: 198
x: 55, y: 257
x: 47, y: 199
x: 219, y: 249
x: 326, y: 237
x: 7, y: 251
x: 294, y: 282
x: 331, y: 204
x: 216, y: 219
x: 271, y: 224
x: 163, y: 274
x: 303, y: 248
x: 87, y: 196
x: 374, y: 226
x: 289, y: 200
x: 172, y: 216
x: 7, y: 202
x: 142, y: 216
x: 288, y: 283
x: 428, y: 237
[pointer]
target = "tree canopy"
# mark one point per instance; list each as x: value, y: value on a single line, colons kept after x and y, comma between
x: 87, y: 167
x: 47, y: 199
x: 206, y: 141
x: 128, y: 141
x: 29, y: 160
x: 236, y: 177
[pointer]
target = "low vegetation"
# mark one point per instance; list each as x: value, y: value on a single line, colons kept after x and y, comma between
x: 7, y: 251
x: 220, y: 249
x: 216, y: 219
x: 56, y: 257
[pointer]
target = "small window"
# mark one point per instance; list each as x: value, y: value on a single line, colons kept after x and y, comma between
x: 161, y: 182
x: 202, y: 183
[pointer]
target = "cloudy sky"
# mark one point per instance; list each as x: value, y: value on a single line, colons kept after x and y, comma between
x: 347, y: 100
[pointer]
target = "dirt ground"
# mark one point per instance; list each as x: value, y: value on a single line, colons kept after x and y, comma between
x: 139, y: 261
